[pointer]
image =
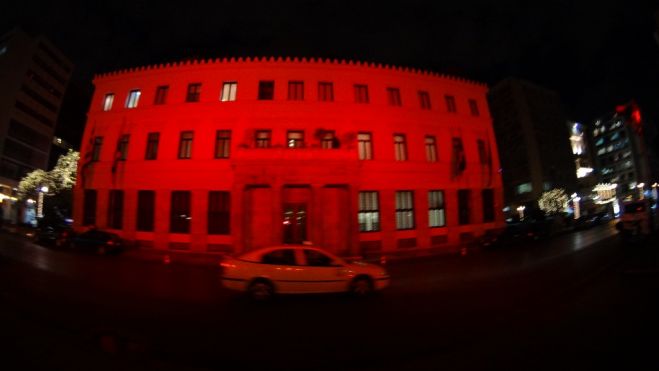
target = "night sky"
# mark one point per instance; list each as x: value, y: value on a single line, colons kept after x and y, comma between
x: 595, y: 54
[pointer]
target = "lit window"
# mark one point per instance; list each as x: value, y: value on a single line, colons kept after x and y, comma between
x: 222, y: 143
x: 450, y: 103
x: 266, y: 90
x: 229, y: 90
x: 361, y: 93
x: 185, y: 145
x: 295, y: 139
x: 328, y: 140
x: 431, y: 149
x: 194, y: 92
x: 524, y: 188
x: 325, y: 91
x: 404, y: 210
x: 436, y: 212
x: 295, y: 90
x: 424, y: 100
x: 369, y: 212
x: 473, y: 107
x: 400, y: 147
x: 133, y: 98
x: 365, y: 146
x: 107, y: 101
x: 262, y: 138
x: 161, y: 94
x: 393, y: 97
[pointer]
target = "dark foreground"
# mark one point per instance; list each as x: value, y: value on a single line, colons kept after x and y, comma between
x: 581, y: 301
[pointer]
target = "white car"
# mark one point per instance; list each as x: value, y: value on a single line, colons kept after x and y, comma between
x: 291, y: 269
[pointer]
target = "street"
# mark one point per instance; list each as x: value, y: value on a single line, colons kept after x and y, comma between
x: 582, y: 300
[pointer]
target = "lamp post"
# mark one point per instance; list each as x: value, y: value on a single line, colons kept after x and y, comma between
x: 42, y: 190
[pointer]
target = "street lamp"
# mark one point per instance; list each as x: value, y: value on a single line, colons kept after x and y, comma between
x: 42, y: 190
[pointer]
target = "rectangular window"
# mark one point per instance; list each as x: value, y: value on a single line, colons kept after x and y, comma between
x: 152, y: 146
x: 424, y: 99
x: 133, y: 98
x: 328, y: 140
x: 116, y: 209
x: 473, y: 107
x: 464, y: 206
x: 185, y: 145
x: 219, y: 208
x: 223, y: 144
x: 96, y: 149
x: 361, y: 93
x: 89, y: 207
x: 262, y: 138
x: 488, y: 205
x: 161, y: 94
x: 450, y: 103
x: 431, y: 148
x: 295, y: 139
x: 194, y: 92
x: 436, y: 212
x: 369, y: 212
x: 404, y: 210
x: 365, y: 146
x: 393, y: 97
x: 295, y: 90
x: 266, y: 90
x: 146, y: 210
x: 400, y: 147
x: 229, y: 90
x: 107, y: 101
x: 122, y: 147
x: 179, y: 221
x: 482, y: 151
x: 325, y: 91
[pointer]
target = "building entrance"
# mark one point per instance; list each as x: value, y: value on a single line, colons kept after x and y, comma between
x: 294, y: 223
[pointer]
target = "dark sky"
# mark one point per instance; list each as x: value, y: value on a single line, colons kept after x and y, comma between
x: 595, y: 54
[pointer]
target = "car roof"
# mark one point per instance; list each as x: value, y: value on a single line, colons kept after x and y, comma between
x: 255, y: 255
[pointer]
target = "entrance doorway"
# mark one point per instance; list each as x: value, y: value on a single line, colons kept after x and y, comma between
x: 295, y: 223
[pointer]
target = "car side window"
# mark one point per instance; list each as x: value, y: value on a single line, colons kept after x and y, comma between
x: 317, y: 259
x: 279, y: 257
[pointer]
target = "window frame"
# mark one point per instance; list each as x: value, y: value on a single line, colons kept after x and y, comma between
x: 161, y: 95
x: 229, y: 91
x: 193, y: 94
x: 368, y: 212
x: 152, y: 142
x: 223, y: 144
x: 263, y: 142
x: 219, y: 213
x: 115, y: 210
x: 450, y: 103
x: 405, y: 218
x: 361, y: 93
x: 266, y: 90
x: 431, y: 148
x: 393, y: 97
x: 424, y: 100
x: 400, y: 147
x: 365, y: 146
x: 325, y: 91
x: 297, y: 142
x: 296, y: 90
x: 185, y: 145
x: 436, y: 208
x: 180, y: 211
x: 133, y: 98
x: 146, y: 211
x: 108, y: 101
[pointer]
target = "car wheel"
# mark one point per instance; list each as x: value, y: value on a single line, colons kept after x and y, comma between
x: 261, y: 290
x: 361, y: 287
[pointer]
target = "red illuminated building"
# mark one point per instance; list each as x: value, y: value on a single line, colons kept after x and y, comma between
x: 230, y: 155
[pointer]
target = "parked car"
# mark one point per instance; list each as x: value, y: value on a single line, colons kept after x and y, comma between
x: 512, y: 234
x: 638, y: 218
x: 50, y: 234
x: 291, y: 269
x: 96, y: 240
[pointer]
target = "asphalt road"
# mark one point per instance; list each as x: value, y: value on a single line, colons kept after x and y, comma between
x: 578, y: 301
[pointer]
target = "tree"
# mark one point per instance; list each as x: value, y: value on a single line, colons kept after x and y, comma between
x: 553, y: 201
x: 60, y: 181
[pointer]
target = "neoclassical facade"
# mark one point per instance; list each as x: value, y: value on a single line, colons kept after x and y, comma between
x: 231, y: 155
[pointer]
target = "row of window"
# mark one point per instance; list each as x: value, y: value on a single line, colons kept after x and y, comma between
x: 219, y: 207
x: 295, y: 93
x: 369, y: 209
x: 294, y: 139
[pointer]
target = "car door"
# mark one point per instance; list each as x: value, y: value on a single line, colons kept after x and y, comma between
x: 322, y: 272
x: 282, y: 268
